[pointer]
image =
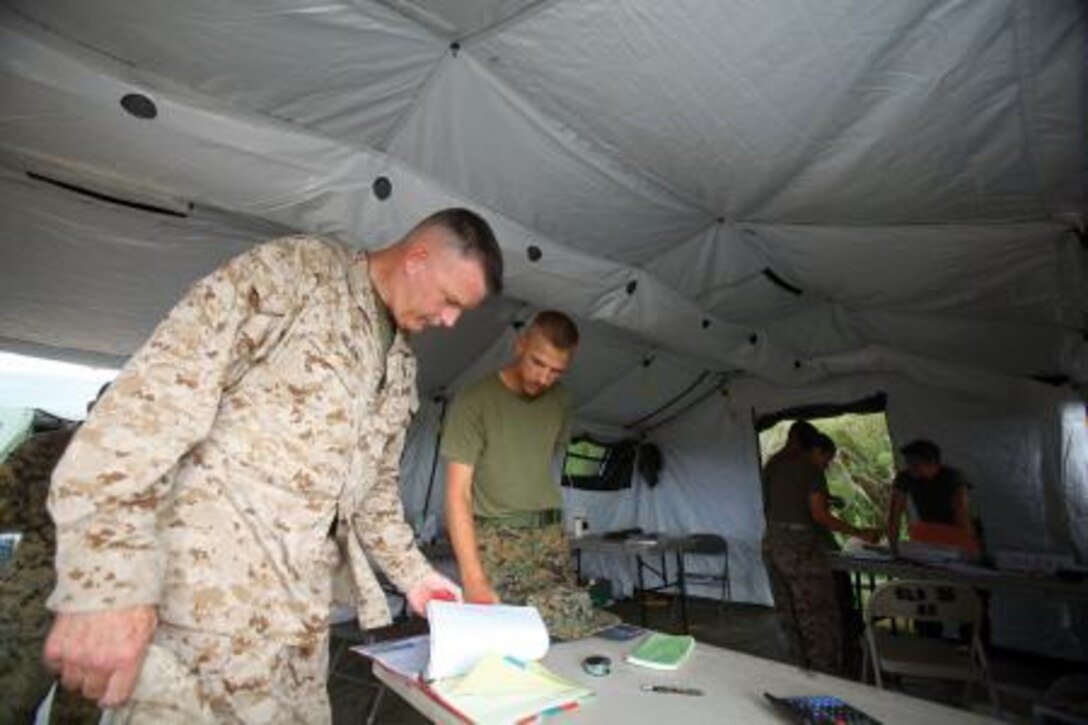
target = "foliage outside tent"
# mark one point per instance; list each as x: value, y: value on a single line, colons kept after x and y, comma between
x: 861, y: 473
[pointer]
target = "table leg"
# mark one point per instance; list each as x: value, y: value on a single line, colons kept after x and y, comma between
x: 681, y: 580
x: 641, y: 591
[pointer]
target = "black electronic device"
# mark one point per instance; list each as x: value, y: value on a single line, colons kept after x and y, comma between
x: 821, y: 710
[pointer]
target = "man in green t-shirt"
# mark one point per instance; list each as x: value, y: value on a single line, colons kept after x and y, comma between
x: 503, y: 505
x: 795, y: 547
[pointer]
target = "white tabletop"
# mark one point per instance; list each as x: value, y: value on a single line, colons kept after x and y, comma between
x: 646, y: 544
x: 733, y: 684
x: 995, y: 580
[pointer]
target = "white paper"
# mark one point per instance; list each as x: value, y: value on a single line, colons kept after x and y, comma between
x: 858, y: 549
x: 406, y: 656
x: 462, y: 633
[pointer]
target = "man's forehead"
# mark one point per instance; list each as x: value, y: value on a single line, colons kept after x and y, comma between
x: 462, y: 277
x: 539, y: 345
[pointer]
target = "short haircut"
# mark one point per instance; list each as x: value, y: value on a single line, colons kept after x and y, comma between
x: 802, y: 433
x: 556, y: 327
x: 825, y: 443
x: 474, y: 239
x: 921, y: 451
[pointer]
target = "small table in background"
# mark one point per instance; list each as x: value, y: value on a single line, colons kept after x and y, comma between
x: 642, y: 547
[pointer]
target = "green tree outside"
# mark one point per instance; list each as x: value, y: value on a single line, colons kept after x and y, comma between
x: 861, y: 473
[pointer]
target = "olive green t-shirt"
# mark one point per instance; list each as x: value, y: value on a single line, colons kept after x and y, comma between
x: 511, y: 442
x: 787, y: 486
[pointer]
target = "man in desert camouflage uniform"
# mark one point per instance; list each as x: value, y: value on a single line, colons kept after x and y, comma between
x: 26, y: 582
x: 251, y: 443
x: 501, y: 437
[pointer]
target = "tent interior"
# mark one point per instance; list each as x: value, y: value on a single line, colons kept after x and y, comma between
x: 748, y: 207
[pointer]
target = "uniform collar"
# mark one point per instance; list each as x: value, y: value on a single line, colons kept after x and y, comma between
x: 366, y: 298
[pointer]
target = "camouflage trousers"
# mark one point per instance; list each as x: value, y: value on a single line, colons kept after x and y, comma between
x: 806, y: 593
x: 24, y: 624
x: 532, y: 566
x: 191, y: 677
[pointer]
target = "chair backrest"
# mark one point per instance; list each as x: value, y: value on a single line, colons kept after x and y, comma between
x: 707, y: 544
x: 925, y: 601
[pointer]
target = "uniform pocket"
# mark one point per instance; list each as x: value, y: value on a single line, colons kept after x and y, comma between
x: 167, y: 693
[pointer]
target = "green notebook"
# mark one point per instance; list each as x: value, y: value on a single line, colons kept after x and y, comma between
x: 662, y: 651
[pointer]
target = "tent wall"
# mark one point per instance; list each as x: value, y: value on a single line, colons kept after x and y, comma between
x: 1021, y: 444
x: 716, y: 188
x: 709, y: 484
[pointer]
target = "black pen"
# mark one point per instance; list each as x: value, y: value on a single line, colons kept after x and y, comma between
x: 672, y: 690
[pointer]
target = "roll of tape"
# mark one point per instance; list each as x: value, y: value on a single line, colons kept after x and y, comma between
x: 597, y: 665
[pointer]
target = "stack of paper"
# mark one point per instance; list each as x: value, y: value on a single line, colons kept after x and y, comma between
x: 462, y: 633
x: 407, y: 657
x: 478, y: 663
x: 662, y: 651
x: 500, y: 689
x: 927, y: 553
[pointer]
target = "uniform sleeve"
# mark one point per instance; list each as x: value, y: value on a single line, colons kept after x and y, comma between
x: 565, y: 426
x: 28, y: 466
x: 110, y: 484
x: 384, y: 534
x: 900, y: 483
x: 957, y: 480
x: 379, y: 519
x: 10, y: 499
x: 463, y: 435
x: 818, y: 483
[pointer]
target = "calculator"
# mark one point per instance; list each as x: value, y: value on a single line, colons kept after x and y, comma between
x: 821, y: 710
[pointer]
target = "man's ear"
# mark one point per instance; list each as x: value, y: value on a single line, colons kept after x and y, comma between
x: 521, y: 343
x: 415, y: 257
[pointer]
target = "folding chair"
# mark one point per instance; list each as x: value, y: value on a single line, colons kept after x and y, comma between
x: 892, y: 645
x: 710, y: 545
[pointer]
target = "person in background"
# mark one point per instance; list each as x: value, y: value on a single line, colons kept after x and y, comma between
x: 801, y: 435
x: 938, y: 493
x: 251, y: 445
x: 795, y: 547
x: 503, y: 504
x: 28, y: 579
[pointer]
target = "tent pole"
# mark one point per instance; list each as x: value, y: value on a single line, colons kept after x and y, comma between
x: 670, y: 402
x: 434, y: 461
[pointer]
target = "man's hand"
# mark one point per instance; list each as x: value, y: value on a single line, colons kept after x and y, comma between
x: 869, y: 536
x: 99, y: 653
x: 433, y: 586
x: 480, y: 592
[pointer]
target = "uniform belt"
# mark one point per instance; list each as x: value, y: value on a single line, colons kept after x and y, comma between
x: 790, y: 526
x: 525, y: 519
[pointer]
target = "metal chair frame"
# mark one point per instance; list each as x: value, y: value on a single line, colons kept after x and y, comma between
x: 905, y: 603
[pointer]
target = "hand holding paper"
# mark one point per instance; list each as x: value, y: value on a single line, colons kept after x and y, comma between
x: 434, y: 586
x: 462, y: 633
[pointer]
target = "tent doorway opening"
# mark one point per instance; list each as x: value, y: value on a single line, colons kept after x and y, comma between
x: 860, y: 476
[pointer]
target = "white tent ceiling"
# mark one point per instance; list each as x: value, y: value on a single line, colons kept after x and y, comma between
x: 718, y: 186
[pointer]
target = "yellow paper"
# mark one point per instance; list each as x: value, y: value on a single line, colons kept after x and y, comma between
x: 501, y: 690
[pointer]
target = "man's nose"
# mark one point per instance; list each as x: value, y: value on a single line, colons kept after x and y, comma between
x: 449, y: 316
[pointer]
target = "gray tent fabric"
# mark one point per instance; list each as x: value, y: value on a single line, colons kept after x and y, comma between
x: 747, y: 206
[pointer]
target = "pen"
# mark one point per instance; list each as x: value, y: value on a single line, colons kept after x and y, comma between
x: 672, y: 690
